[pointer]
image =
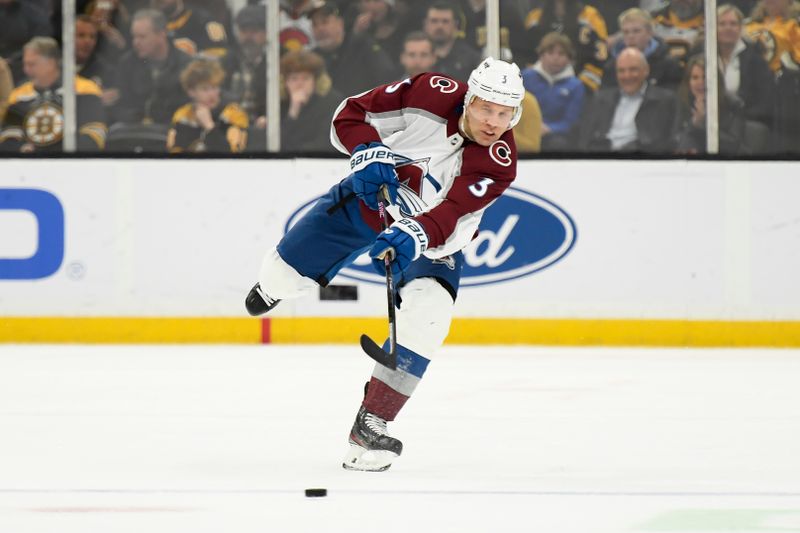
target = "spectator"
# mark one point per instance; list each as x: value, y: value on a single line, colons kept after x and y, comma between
x: 455, y: 57
x: 774, y: 23
x: 378, y: 19
x: 417, y: 56
x: 87, y: 61
x: 247, y: 70
x: 637, y: 30
x: 747, y: 76
x: 6, y: 86
x: 112, y: 19
x: 308, y: 103
x: 355, y: 62
x: 690, y: 122
x: 585, y: 28
x: 630, y: 117
x: 559, y: 92
x: 680, y: 24
x: 193, y: 30
x: 20, y: 21
x: 512, y: 30
x: 148, y: 76
x: 34, y: 120
x: 205, y: 124
x: 528, y: 131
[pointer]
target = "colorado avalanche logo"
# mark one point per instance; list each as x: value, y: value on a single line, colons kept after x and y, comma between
x: 500, y: 153
x: 445, y: 85
x: 412, y: 175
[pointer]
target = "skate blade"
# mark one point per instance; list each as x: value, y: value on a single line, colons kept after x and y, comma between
x: 359, y: 458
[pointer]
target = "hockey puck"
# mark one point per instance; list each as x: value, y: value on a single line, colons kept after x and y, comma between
x: 316, y: 493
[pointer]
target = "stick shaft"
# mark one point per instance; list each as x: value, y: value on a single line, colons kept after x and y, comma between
x: 387, y: 264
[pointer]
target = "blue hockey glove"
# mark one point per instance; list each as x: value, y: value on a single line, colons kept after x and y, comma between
x: 404, y: 241
x: 373, y: 167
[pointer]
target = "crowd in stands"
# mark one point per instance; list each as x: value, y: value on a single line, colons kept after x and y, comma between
x: 190, y: 75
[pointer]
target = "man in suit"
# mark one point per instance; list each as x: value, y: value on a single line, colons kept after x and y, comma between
x: 636, y: 116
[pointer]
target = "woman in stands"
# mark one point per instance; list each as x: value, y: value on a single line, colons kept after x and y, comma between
x: 690, y: 124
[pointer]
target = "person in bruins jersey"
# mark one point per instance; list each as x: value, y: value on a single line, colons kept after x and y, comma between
x: 193, y: 30
x: 34, y: 120
x: 680, y: 24
x: 205, y: 124
x: 774, y: 23
x: 584, y: 26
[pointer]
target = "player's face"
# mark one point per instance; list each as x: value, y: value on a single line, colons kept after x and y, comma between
x: 487, y: 121
x: 85, y: 40
x: 636, y: 34
x: 554, y: 60
x: 205, y: 94
x: 697, y: 82
x: 41, y: 70
x: 632, y: 71
x: 729, y: 28
x: 440, y: 25
x: 417, y: 57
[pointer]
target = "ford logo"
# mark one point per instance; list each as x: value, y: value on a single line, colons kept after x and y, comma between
x: 520, y: 234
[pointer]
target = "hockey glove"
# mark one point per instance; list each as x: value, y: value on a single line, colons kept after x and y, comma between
x: 404, y: 241
x: 373, y: 167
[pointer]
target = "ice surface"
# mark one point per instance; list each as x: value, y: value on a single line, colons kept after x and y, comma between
x: 151, y: 439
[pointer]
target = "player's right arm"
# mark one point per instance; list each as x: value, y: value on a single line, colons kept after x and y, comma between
x: 362, y: 122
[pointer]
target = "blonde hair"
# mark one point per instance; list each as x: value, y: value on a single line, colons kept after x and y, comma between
x: 201, y: 71
x: 45, y: 47
x: 635, y: 13
x: 724, y: 9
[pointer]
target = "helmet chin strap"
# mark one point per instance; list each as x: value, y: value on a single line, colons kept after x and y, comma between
x: 463, y: 126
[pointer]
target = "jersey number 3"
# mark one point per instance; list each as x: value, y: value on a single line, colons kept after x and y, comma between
x: 479, y: 189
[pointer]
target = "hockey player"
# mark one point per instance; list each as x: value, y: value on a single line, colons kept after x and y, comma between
x: 443, y: 151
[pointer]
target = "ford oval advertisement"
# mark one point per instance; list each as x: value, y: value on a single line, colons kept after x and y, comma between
x: 520, y: 234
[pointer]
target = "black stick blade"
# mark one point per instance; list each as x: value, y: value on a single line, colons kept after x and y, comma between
x: 389, y: 360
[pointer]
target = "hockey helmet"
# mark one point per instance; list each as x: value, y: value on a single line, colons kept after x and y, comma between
x: 499, y: 82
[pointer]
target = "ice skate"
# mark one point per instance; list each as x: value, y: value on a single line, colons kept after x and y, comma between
x: 258, y: 302
x: 371, y: 447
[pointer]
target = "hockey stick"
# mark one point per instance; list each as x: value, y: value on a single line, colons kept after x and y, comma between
x: 387, y: 359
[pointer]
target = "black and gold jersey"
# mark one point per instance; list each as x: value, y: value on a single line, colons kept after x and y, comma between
x: 35, y: 118
x: 228, y: 135
x: 780, y: 40
x: 679, y: 35
x: 590, y: 41
x: 195, y: 32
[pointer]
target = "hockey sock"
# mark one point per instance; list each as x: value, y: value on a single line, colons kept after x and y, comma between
x: 389, y: 390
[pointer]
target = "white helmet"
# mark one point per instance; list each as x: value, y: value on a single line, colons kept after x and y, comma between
x: 498, y: 82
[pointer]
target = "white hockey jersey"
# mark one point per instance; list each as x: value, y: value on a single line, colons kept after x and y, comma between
x: 447, y: 181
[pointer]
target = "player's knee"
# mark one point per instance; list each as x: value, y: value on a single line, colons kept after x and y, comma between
x: 425, y: 315
x: 280, y: 280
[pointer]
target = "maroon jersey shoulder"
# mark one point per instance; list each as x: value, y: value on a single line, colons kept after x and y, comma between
x: 498, y: 160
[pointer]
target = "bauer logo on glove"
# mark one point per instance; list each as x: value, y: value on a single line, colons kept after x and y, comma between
x: 373, y: 169
x: 402, y: 247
